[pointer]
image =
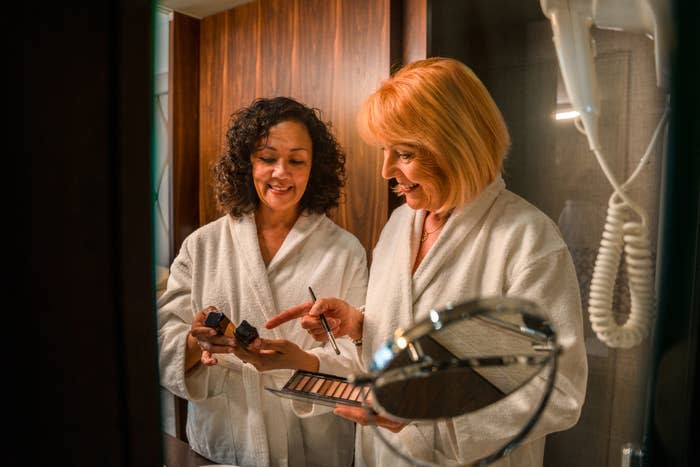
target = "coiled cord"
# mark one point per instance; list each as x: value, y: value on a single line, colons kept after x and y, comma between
x: 633, y: 237
x: 622, y: 234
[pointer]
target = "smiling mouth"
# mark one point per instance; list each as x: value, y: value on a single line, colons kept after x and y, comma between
x: 406, y: 187
x: 279, y: 189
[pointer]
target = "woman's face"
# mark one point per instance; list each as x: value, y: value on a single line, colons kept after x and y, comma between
x: 414, y: 180
x: 282, y: 166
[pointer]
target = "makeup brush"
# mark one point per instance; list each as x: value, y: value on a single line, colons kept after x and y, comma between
x: 324, y: 323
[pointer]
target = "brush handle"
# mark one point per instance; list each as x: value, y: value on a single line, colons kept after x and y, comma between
x: 325, y: 325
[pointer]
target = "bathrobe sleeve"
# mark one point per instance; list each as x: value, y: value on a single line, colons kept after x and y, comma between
x: 348, y: 361
x: 175, y: 315
x: 551, y: 282
x: 354, y: 292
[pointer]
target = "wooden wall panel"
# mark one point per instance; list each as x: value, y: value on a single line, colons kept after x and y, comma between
x: 183, y: 112
x: 212, y: 76
x: 361, y: 61
x: 313, y: 76
x: 327, y: 54
x: 415, y: 30
x: 275, y: 64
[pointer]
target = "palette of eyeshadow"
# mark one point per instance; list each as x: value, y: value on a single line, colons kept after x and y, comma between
x: 320, y: 388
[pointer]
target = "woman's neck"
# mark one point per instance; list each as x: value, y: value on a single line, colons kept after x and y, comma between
x: 432, y: 227
x: 266, y: 219
x: 273, y: 228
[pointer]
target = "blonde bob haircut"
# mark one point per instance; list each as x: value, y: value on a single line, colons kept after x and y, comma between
x: 441, y: 108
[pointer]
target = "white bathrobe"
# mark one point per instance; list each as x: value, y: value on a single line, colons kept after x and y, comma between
x: 231, y: 418
x: 496, y: 245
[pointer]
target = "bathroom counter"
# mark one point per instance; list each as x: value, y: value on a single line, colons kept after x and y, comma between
x: 178, y: 454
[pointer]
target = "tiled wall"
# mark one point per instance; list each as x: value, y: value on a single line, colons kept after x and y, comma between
x: 509, y: 45
x: 551, y: 165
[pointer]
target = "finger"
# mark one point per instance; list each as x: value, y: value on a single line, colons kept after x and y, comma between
x: 330, y: 307
x: 318, y: 335
x: 355, y: 414
x: 199, y: 332
x: 212, y: 348
x: 256, y: 344
x: 324, y: 305
x: 201, y: 315
x: 333, y: 323
x: 311, y: 322
x: 389, y: 424
x: 289, y: 314
x: 278, y: 345
x: 206, y: 341
x: 209, y: 309
x: 207, y: 359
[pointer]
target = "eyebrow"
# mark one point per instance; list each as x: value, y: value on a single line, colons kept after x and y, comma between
x: 400, y: 145
x: 266, y: 146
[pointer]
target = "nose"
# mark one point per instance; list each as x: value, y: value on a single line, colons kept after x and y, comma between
x: 281, y: 169
x: 388, y: 168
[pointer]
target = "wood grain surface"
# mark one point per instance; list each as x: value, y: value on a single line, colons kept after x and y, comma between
x: 183, y: 112
x: 327, y: 54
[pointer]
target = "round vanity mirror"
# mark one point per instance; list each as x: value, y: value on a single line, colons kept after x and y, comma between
x: 463, y: 359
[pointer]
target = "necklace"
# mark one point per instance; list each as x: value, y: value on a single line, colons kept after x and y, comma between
x: 425, y: 235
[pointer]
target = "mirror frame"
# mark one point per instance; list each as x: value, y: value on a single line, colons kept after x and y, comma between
x: 536, y: 330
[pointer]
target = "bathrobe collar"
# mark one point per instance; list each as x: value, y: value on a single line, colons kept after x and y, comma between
x: 393, y: 288
x: 244, y: 234
x: 456, y: 229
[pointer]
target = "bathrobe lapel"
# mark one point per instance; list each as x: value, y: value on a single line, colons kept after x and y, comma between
x: 245, y: 238
x: 303, y: 228
x: 456, y: 229
x: 394, y: 291
x: 390, y: 281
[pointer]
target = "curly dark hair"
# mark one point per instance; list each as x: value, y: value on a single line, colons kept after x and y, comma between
x: 233, y: 174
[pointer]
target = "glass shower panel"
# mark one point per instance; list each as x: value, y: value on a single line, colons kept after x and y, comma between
x: 162, y: 183
x: 508, y: 43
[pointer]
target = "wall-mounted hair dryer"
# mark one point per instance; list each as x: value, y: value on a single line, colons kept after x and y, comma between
x: 571, y: 25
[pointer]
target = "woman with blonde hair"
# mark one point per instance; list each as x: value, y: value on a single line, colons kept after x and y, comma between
x: 460, y: 235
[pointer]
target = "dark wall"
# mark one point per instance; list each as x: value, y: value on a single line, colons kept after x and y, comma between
x: 672, y: 428
x: 86, y: 136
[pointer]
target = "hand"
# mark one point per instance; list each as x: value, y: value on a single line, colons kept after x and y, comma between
x: 207, y: 338
x: 274, y: 354
x: 202, y: 341
x: 360, y: 415
x: 342, y: 318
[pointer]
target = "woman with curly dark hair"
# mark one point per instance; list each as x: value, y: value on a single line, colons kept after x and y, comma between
x: 235, y: 188
x: 281, y: 174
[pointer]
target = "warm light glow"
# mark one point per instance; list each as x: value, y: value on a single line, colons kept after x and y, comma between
x: 566, y: 115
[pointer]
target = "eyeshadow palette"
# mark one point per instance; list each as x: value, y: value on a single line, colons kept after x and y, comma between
x: 320, y: 388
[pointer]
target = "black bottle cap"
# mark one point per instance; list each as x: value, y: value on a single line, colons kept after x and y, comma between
x: 246, y: 333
